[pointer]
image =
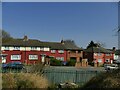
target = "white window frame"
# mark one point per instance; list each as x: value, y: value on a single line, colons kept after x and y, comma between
x: 60, y: 51
x: 41, y: 48
x: 33, y: 57
x: 6, y: 48
x: 100, y: 60
x: 60, y: 58
x: 95, y: 54
x: 99, y: 54
x: 53, y: 51
x: 16, y: 48
x: 16, y: 57
x: 108, y: 54
x: 33, y: 48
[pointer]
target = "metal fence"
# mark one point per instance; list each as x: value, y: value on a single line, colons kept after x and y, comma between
x: 57, y: 76
x: 76, y: 76
x: 10, y: 71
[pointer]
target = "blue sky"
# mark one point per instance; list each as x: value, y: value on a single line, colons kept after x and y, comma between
x: 81, y: 22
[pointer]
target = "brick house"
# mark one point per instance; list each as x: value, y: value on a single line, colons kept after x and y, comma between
x: 98, y: 55
x: 31, y: 51
x: 73, y: 51
x: 117, y: 55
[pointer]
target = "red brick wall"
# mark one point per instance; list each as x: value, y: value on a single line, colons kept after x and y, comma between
x: 75, y: 54
x: 90, y: 57
x: 22, y: 53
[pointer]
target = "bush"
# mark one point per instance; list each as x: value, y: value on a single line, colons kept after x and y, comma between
x: 71, y: 63
x: 23, y: 80
x: 105, y: 80
x: 37, y: 68
x: 55, y: 62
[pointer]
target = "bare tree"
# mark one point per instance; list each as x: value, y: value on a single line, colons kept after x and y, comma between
x: 5, y: 34
x: 101, y: 44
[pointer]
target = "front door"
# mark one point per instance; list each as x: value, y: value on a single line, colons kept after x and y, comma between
x: 43, y: 59
x: 3, y: 59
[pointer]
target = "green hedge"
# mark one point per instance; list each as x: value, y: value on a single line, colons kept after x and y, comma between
x: 55, y: 62
x: 71, y: 63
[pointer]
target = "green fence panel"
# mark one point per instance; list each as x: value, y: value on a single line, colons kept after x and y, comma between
x: 76, y: 76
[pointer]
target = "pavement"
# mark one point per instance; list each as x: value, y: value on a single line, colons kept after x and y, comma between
x: 89, y: 68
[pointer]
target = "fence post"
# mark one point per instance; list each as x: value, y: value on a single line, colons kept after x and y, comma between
x: 76, y: 77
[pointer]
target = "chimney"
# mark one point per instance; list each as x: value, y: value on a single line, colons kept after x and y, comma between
x: 114, y: 49
x: 62, y: 41
x: 25, y: 38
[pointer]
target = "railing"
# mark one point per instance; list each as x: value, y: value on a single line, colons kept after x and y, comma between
x: 57, y: 76
x: 10, y: 70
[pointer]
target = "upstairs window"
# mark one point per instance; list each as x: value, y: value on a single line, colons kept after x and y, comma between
x: 60, y: 51
x: 33, y: 48
x: 100, y: 60
x: 42, y: 49
x: 95, y: 54
x: 16, y: 48
x: 99, y: 54
x: 108, y: 54
x: 53, y: 51
x: 6, y: 48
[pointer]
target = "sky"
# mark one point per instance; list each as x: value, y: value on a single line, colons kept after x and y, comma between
x: 53, y: 21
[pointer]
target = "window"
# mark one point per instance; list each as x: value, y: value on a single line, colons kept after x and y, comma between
x: 53, y: 51
x: 60, y: 58
x: 33, y: 57
x: 16, y: 48
x: 99, y: 60
x: 95, y: 54
x: 109, y: 54
x: 33, y: 48
x: 99, y: 54
x: 42, y: 48
x: 60, y: 51
x: 15, y: 57
x: 6, y: 48
x: 46, y: 49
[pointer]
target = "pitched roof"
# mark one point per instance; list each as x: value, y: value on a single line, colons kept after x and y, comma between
x: 97, y: 50
x: 54, y: 45
x: 21, y: 42
x: 71, y: 46
x: 33, y: 42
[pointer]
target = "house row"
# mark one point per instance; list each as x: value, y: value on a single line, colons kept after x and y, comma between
x: 31, y: 51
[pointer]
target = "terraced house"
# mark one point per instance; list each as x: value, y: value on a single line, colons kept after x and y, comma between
x: 32, y: 51
x: 99, y: 55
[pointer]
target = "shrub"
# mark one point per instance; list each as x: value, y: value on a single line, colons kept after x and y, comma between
x: 71, y: 63
x: 105, y: 80
x: 37, y: 68
x: 55, y: 62
x: 23, y: 80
